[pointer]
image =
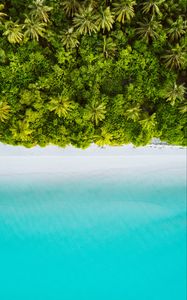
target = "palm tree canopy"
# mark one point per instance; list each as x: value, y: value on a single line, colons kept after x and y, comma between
x: 178, y: 28
x: 105, y: 138
x: 34, y: 28
x: 175, y: 58
x: 183, y: 107
x: 70, y: 38
x: 124, y: 10
x: 133, y: 113
x: 4, y: 111
x: 149, y: 123
x: 84, y: 21
x: 2, y: 15
x: 21, y: 131
x: 105, y: 19
x: 39, y: 10
x: 152, y: 6
x: 107, y: 46
x: 175, y: 92
x: 96, y: 111
x: 13, y: 31
x: 71, y: 7
x: 61, y: 105
x: 148, y: 29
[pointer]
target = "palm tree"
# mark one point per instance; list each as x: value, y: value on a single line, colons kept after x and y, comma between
x: 40, y: 11
x: 61, y: 105
x: 124, y: 10
x: 152, y: 6
x: 104, y: 2
x: 148, y: 29
x: 175, y: 92
x: 2, y: 15
x: 105, y: 138
x: 95, y: 111
x: 105, y: 19
x: 93, y: 3
x: 4, y: 111
x: 34, y: 28
x: 183, y: 107
x: 69, y: 39
x: 21, y: 131
x: 3, y: 57
x: 178, y: 28
x: 148, y: 124
x: 71, y: 7
x: 107, y: 46
x: 133, y: 113
x: 173, y: 8
x: 13, y: 31
x: 33, y: 116
x: 84, y: 21
x: 175, y: 58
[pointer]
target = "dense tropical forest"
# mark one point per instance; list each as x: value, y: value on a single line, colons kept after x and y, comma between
x: 109, y: 72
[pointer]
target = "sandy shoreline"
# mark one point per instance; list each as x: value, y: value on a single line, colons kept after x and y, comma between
x: 54, y: 160
x: 93, y: 150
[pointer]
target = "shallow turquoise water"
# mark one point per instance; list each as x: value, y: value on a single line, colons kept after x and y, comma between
x: 107, y: 236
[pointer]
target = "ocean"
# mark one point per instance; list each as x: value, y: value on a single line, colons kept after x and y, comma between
x: 114, y: 235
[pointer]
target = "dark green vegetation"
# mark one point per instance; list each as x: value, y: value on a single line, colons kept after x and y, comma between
x: 77, y: 72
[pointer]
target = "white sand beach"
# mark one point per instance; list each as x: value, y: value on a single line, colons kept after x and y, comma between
x: 52, y: 159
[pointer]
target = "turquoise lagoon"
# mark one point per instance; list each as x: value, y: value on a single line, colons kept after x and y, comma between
x: 112, y: 235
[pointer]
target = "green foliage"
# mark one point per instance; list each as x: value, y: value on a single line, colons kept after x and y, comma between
x: 70, y: 39
x: 107, y: 47
x: 13, y: 31
x: 71, y: 7
x: 105, y: 19
x: 90, y: 71
x: 177, y: 29
x: 183, y: 107
x: 149, y: 29
x: 2, y: 14
x: 104, y: 137
x: 95, y: 111
x: 4, y: 111
x: 61, y: 105
x: 40, y: 11
x: 34, y: 28
x: 124, y: 10
x: 133, y: 113
x: 152, y: 7
x: 175, y: 92
x: 85, y: 21
x: 175, y: 57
